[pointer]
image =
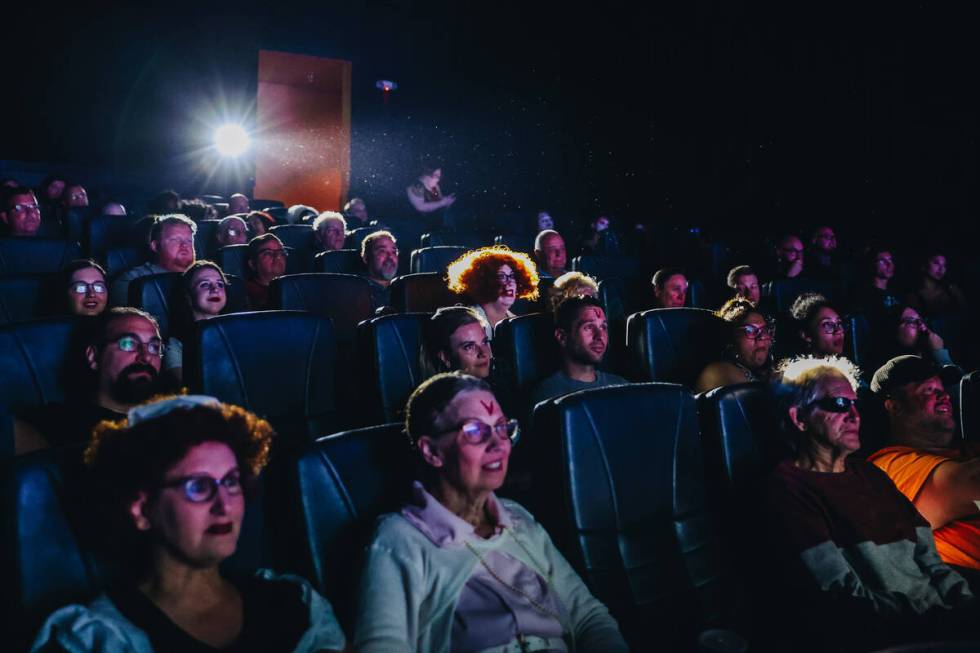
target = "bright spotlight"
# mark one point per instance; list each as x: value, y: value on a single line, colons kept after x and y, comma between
x: 231, y: 140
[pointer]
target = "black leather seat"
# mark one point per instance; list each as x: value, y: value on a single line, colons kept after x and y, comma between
x: 205, y: 244
x: 299, y: 239
x: 122, y: 258
x: 467, y: 239
x: 356, y: 236
x: 857, y: 341
x: 435, y: 259
x: 608, y: 267
x: 263, y: 204
x: 423, y: 292
x: 517, y: 242
x: 161, y: 294
x: 30, y: 297
x: 339, y: 261
x: 525, y: 352
x: 673, y: 344
x: 106, y: 232
x: 344, y: 298
x: 35, y: 255
x: 343, y: 484
x: 388, y: 352
x: 618, y: 483
x: 73, y: 224
x: 970, y: 406
x: 278, y: 364
x: 233, y: 259
x: 779, y: 294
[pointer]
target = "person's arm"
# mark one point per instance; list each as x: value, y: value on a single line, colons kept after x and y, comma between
x: 718, y: 374
x: 950, y: 585
x: 389, y: 603
x: 422, y: 206
x: 951, y: 492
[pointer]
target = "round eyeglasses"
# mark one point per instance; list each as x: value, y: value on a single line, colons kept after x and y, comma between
x: 130, y: 343
x: 201, y: 488
x: 476, y: 432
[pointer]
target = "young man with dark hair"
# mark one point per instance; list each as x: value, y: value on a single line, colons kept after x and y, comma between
x: 266, y: 261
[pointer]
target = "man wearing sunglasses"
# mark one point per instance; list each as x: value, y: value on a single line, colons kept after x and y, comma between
x: 123, y: 356
x: 582, y: 333
x: 939, y: 473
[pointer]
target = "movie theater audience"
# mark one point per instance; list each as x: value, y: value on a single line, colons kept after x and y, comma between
x: 171, y: 243
x: 744, y: 281
x: 329, y: 231
x: 259, y: 223
x: 455, y: 339
x: 203, y: 295
x: 21, y: 215
x: 492, y: 279
x: 789, y: 257
x: 873, y: 294
x: 571, y: 284
x: 746, y: 356
x: 85, y: 285
x: 231, y: 231
x: 266, y: 261
x: 901, y: 330
x: 379, y: 252
x: 670, y: 288
x: 172, y: 478
x: 819, y: 327
x: 934, y: 294
x: 848, y: 546
x: 459, y: 568
x: 550, y: 254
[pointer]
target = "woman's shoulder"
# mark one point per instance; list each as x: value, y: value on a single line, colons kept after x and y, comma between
x: 98, y: 626
x: 394, y: 532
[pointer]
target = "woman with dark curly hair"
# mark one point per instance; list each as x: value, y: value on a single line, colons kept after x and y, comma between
x: 173, y: 476
x: 493, y: 278
x: 746, y: 356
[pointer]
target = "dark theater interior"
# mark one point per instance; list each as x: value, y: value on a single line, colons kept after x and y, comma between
x: 430, y: 327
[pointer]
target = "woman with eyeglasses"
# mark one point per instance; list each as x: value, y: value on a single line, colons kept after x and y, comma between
x: 174, y: 477
x: 493, y: 278
x: 204, y: 289
x: 902, y: 330
x: 459, y: 569
x: 84, y: 280
x: 746, y: 355
x: 858, y: 559
x: 819, y: 327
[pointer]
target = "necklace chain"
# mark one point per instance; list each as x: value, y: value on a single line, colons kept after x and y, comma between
x: 537, y: 606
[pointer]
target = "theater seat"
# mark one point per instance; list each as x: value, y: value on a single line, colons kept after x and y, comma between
x: 205, y: 244
x: 233, y: 259
x: 435, y: 259
x: 263, y: 204
x: 299, y: 239
x: 618, y: 483
x: 106, y: 232
x: 673, y: 344
x: 388, y: 351
x: 517, y: 242
x: 970, y: 406
x: 161, y: 295
x: 356, y: 236
x: 778, y: 295
x: 279, y: 364
x: 121, y: 259
x: 857, y: 341
x: 340, y: 261
x: 30, y: 297
x: 608, y: 267
x: 467, y: 239
x: 423, y: 292
x: 344, y: 298
x: 34, y: 357
x: 525, y: 352
x: 342, y: 484
x: 35, y: 255
x: 73, y: 224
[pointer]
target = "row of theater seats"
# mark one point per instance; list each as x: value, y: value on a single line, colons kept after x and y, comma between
x: 296, y: 367
x: 653, y: 515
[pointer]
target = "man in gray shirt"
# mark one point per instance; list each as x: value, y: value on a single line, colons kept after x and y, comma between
x: 583, y: 336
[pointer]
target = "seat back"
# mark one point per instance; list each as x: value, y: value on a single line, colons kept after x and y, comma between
x: 608, y: 267
x: 619, y: 485
x: 388, y: 349
x: 356, y: 236
x: 278, y: 364
x: 435, y: 259
x: 340, y: 261
x: 106, y: 232
x: 423, y: 292
x: 35, y: 255
x: 970, y: 406
x: 233, y: 259
x: 34, y: 357
x: 264, y: 204
x: 122, y: 258
x: 857, y: 341
x: 525, y: 352
x: 26, y: 297
x: 517, y: 242
x: 343, y: 483
x: 673, y: 344
x: 205, y: 244
x: 299, y: 239
x: 73, y: 224
x: 467, y: 239
x: 779, y: 294
x: 344, y: 298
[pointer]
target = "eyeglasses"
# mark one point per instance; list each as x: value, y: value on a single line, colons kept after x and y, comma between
x: 830, y: 327
x: 506, y: 278
x: 476, y: 432
x: 913, y: 322
x: 753, y: 332
x: 835, y: 404
x: 82, y: 288
x: 274, y: 253
x: 202, y: 488
x: 130, y: 343
x: 21, y: 208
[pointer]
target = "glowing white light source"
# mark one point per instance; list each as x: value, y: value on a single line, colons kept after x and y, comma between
x: 231, y: 140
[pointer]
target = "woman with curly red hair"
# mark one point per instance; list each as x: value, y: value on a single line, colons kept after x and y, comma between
x: 174, y: 477
x: 493, y: 278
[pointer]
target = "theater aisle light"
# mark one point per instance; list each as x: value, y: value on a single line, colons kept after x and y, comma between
x: 231, y: 140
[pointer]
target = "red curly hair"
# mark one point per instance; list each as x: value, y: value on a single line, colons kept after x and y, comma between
x: 474, y: 274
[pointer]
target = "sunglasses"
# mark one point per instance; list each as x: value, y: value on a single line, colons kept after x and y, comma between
x: 835, y: 404
x: 202, y: 488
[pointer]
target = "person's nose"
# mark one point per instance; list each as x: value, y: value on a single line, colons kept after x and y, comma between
x: 218, y: 503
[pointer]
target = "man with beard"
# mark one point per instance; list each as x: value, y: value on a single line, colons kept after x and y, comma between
x: 123, y: 354
x: 582, y: 333
x: 379, y: 251
x: 171, y: 241
x: 940, y: 476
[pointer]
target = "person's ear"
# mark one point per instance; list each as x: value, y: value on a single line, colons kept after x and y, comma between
x: 155, y: 246
x: 3, y: 218
x: 561, y: 336
x: 251, y: 265
x: 805, y: 337
x: 92, y: 357
x: 795, y: 418
x: 430, y: 454
x: 137, y: 511
x: 441, y: 355
x: 893, y: 407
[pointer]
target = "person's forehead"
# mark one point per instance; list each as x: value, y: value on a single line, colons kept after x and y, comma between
x: 331, y: 224
x: 754, y: 319
x: 234, y: 223
x: 591, y: 314
x: 24, y: 198
x: 206, y: 273
x: 929, y: 384
x: 87, y: 274
x: 270, y: 245
x: 836, y: 386
x: 792, y: 241
x: 827, y: 313
x: 554, y: 240
x: 468, y: 332
x: 747, y: 279
x: 214, y: 458
x: 175, y: 229
x: 382, y: 243
x: 909, y: 313
x: 132, y: 324
x: 677, y: 279
x: 824, y: 231
x: 504, y: 269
